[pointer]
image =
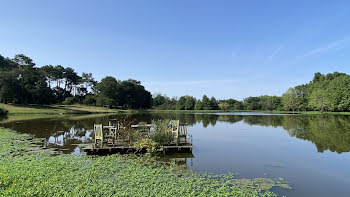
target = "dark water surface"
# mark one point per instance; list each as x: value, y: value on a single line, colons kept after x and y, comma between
x: 310, y: 152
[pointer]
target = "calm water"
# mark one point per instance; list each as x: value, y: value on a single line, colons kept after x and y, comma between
x: 310, y: 152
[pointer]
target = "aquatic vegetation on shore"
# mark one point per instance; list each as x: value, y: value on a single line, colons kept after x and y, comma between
x: 37, y: 173
x: 261, y: 183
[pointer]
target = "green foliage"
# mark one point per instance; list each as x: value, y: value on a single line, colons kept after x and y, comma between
x: 104, y: 101
x: 319, y: 99
x: 69, y: 101
x: 160, y: 132
x: 107, y: 91
x: 213, y: 104
x: 126, y: 94
x: 198, y: 105
x: 261, y: 183
x: 251, y: 103
x: 233, y: 104
x: 205, y: 102
x: 88, y: 80
x: 36, y: 173
x: 329, y: 92
x: 162, y: 102
x: 23, y: 83
x: 266, y: 103
x: 151, y: 146
x: 89, y: 100
x: 133, y: 95
x: 290, y: 99
x: 324, y: 92
x: 224, y: 106
x: 339, y: 93
x: 186, y: 103
x: 159, y: 99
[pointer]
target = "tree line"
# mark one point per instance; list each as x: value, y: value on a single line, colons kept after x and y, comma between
x: 21, y: 82
x: 326, y: 92
x: 264, y: 103
x: 330, y: 92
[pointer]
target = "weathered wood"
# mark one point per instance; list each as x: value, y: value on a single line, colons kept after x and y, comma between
x: 131, y: 149
x: 110, y: 141
x: 141, y: 126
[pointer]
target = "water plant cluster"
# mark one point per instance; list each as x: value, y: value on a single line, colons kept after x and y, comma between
x: 24, y: 171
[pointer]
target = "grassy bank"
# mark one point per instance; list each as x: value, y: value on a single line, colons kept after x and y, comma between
x: 83, y: 109
x: 25, y: 171
x: 57, y: 109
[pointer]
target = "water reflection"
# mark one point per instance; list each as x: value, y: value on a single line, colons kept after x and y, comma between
x: 249, y: 145
x: 326, y: 132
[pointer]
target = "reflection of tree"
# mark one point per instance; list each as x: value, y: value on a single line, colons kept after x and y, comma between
x: 326, y: 132
x: 274, y: 121
x: 230, y: 118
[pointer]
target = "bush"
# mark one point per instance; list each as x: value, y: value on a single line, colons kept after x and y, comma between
x: 160, y: 132
x: 3, y: 111
x: 89, y: 100
x: 151, y: 146
x: 69, y: 101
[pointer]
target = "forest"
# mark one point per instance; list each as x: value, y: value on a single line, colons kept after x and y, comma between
x: 22, y: 82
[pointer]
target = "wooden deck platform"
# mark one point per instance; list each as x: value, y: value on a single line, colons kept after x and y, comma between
x: 184, y: 148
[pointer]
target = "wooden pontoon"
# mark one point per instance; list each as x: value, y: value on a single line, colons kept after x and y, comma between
x: 184, y: 148
x: 111, y: 142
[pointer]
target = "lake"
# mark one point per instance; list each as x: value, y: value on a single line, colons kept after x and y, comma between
x: 311, y: 152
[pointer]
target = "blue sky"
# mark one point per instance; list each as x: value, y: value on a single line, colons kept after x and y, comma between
x: 226, y: 49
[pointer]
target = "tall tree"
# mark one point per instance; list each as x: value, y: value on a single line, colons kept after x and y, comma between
x: 48, y: 71
x: 290, y: 99
x: 107, y: 90
x: 71, y: 80
x: 198, y: 105
x: 58, y: 74
x: 186, y: 103
x: 319, y: 100
x: 87, y: 79
x: 205, y: 102
x: 23, y: 61
x: 214, y: 104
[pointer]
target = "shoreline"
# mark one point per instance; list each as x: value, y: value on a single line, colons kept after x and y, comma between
x: 84, y: 109
x: 31, y: 171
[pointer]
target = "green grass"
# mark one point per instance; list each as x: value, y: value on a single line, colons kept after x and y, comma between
x: 58, y: 109
x: 24, y: 172
x: 83, y: 109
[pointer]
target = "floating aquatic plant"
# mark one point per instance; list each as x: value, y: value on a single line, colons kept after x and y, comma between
x: 38, y: 173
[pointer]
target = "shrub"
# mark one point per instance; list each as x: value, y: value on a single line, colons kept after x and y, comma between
x: 89, y: 100
x: 151, y: 146
x: 69, y: 101
x: 160, y: 132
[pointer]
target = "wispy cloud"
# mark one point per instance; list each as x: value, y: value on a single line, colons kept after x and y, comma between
x: 338, y: 44
x: 274, y: 53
